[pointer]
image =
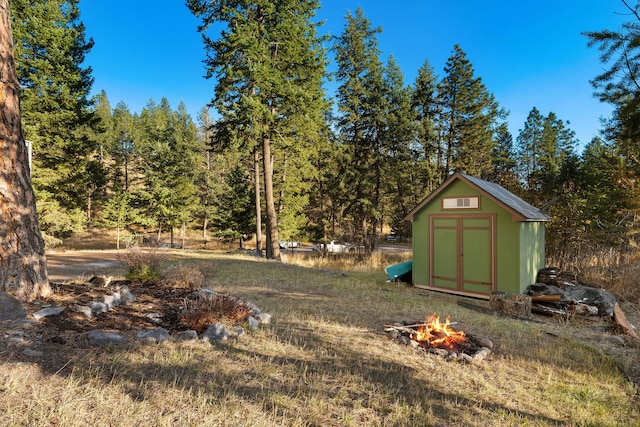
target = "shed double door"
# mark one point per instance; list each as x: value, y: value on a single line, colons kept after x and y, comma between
x: 462, y: 253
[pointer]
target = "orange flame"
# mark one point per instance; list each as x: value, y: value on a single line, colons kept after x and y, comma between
x: 437, y: 334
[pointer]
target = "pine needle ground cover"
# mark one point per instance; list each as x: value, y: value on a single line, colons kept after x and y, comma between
x: 325, y: 360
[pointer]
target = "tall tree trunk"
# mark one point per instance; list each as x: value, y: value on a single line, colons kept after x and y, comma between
x: 273, y: 248
x: 205, y: 222
x: 256, y: 163
x: 205, y: 219
x: 23, y: 264
x: 283, y: 181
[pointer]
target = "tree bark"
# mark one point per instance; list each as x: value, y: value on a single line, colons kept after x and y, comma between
x: 23, y: 264
x: 256, y: 162
x: 273, y: 248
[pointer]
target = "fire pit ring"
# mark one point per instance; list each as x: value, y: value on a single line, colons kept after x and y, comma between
x: 441, y: 338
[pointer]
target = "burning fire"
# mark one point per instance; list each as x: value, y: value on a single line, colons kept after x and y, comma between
x: 434, y: 333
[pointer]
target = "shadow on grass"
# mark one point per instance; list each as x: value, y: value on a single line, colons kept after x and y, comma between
x: 335, y: 375
x: 338, y: 382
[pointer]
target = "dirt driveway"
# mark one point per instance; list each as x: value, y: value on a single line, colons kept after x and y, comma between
x: 74, y: 265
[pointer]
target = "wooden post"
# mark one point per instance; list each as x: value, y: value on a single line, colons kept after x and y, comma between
x: 525, y: 309
x: 496, y: 300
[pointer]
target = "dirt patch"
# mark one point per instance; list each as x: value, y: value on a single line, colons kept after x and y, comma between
x: 78, y: 265
x: 155, y: 306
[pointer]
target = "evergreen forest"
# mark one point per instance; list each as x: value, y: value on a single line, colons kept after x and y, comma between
x: 275, y: 157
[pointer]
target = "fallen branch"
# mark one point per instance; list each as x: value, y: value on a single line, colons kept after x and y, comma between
x: 556, y: 297
x: 544, y: 309
x: 416, y: 325
x: 621, y: 320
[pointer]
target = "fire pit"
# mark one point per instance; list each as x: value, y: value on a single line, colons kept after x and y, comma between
x: 441, y: 338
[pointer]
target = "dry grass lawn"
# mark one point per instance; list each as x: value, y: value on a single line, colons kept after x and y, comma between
x: 325, y: 361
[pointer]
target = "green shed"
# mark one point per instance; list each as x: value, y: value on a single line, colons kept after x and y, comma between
x: 472, y: 236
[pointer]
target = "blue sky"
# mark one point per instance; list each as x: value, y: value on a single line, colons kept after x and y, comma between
x: 528, y: 54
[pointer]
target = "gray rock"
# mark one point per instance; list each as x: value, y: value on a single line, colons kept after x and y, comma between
x: 50, y: 311
x: 125, y: 295
x: 481, y: 355
x: 189, y: 335
x: 239, y: 332
x: 23, y: 323
x: 99, y: 307
x: 32, y: 353
x: 467, y: 358
x: 155, y: 317
x: 216, y: 333
x: 83, y: 309
x: 485, y: 342
x: 17, y: 338
x: 110, y: 300
x: 253, y: 323
x: 617, y: 339
x: 117, y: 298
x: 11, y: 308
x: 206, y: 292
x: 254, y: 308
x: 99, y: 338
x: 153, y: 336
x: 264, y: 318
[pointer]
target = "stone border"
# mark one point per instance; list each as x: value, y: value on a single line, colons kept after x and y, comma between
x: 215, y: 333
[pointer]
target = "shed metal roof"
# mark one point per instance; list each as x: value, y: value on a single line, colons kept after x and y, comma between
x: 522, y: 210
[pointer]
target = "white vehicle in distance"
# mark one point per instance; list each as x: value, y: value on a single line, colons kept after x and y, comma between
x: 334, y: 248
x: 286, y: 244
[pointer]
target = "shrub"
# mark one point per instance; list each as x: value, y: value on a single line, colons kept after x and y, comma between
x: 186, y: 276
x: 203, y: 312
x: 143, y: 265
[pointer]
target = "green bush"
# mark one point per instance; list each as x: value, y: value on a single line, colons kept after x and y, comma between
x: 144, y: 265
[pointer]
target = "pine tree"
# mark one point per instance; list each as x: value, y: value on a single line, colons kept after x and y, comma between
x: 50, y: 49
x: 428, y: 150
x: 468, y: 119
x: 362, y: 106
x: 235, y: 219
x: 208, y: 179
x: 119, y: 213
x: 23, y: 267
x: 325, y: 192
x: 505, y: 164
x: 529, y: 150
x: 607, y: 205
x: 544, y: 144
x: 168, y: 151
x: 117, y: 149
x: 269, y: 65
x: 400, y: 182
x: 619, y: 84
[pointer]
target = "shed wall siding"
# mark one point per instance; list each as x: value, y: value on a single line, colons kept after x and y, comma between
x: 532, y: 240
x: 420, y: 235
